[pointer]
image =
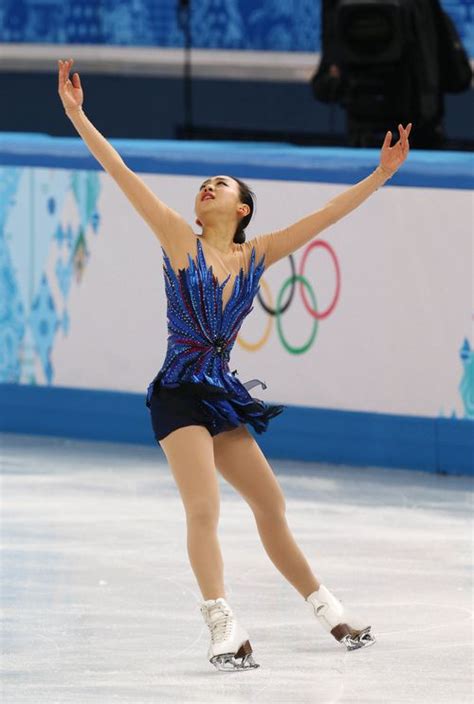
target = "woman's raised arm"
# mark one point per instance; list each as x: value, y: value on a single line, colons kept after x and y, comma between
x: 281, y: 243
x: 163, y: 220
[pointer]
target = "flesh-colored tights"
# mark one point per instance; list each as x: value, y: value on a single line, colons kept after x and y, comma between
x: 193, y: 456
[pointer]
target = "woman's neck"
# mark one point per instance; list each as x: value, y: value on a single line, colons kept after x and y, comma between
x: 219, y: 238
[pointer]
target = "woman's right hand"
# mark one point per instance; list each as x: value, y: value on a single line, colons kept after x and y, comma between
x: 70, y: 92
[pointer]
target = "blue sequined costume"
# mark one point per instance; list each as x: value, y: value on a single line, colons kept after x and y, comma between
x: 201, y: 334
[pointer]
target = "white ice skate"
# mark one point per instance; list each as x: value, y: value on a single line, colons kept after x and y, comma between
x: 230, y: 648
x: 331, y: 614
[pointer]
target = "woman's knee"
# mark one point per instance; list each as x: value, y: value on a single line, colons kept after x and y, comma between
x: 269, y: 501
x: 273, y: 509
x: 202, y: 514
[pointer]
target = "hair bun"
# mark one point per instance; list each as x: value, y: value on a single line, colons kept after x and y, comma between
x: 239, y: 237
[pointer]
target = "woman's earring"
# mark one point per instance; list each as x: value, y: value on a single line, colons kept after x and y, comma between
x: 198, y: 222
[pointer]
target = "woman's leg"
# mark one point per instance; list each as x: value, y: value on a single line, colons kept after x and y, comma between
x: 242, y: 463
x: 190, y: 455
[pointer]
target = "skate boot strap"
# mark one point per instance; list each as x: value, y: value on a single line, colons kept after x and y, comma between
x: 332, y: 615
x: 327, y: 608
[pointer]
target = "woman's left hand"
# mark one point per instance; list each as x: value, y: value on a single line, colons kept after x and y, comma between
x: 391, y: 158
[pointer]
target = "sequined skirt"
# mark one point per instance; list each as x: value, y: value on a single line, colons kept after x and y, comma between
x: 216, y: 408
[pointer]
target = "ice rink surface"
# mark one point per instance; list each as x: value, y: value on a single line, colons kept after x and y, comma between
x: 99, y: 602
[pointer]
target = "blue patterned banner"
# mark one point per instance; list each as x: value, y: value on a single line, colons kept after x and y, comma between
x: 276, y: 25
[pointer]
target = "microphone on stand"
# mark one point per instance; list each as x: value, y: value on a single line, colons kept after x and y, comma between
x: 183, y: 11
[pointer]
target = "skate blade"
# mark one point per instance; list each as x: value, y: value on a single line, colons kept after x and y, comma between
x: 233, y: 662
x: 361, y: 640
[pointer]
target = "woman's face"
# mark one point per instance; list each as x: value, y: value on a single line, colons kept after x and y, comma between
x: 217, y: 197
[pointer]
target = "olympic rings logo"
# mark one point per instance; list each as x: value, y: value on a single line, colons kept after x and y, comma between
x: 282, y: 308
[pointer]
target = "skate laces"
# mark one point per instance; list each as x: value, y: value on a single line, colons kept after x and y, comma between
x: 221, y: 624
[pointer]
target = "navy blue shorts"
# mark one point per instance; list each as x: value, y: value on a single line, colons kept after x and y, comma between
x: 191, y: 403
x: 171, y: 410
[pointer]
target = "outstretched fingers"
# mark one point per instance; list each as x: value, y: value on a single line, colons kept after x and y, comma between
x: 403, y: 141
x: 387, y: 141
x: 406, y: 134
x: 63, y: 74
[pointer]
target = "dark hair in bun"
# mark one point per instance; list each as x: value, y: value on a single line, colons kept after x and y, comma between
x: 247, y: 196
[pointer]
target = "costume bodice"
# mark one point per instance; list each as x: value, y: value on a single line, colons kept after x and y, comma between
x: 202, y: 329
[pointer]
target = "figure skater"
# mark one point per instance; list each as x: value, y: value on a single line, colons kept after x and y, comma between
x: 199, y: 408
